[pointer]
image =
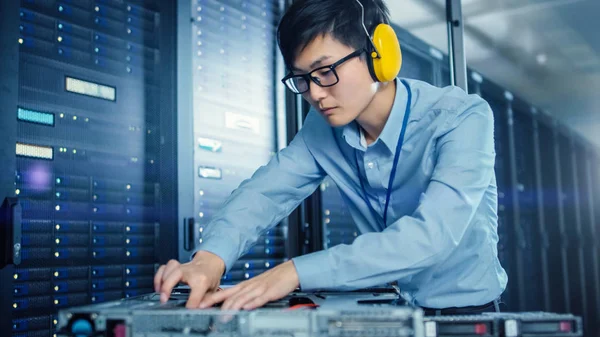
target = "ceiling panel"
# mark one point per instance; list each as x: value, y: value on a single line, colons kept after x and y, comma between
x: 546, y: 51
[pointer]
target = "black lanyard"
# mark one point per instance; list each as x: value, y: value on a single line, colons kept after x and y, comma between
x: 395, y: 164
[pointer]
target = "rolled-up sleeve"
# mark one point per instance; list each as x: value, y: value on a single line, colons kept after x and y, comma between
x: 464, y: 169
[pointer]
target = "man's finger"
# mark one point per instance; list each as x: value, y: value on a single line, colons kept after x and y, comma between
x: 248, y: 297
x: 210, y: 299
x: 243, y: 297
x: 229, y: 300
x: 199, y: 289
x: 170, y: 267
x: 158, y: 278
x: 219, y: 297
x: 256, y: 303
x: 169, y: 283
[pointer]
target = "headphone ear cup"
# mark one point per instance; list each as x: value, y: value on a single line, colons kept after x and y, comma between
x: 387, y: 67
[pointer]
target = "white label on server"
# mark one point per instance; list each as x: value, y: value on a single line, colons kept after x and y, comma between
x: 510, y: 328
x: 242, y: 122
x: 210, y: 144
x: 430, y: 329
x: 209, y: 172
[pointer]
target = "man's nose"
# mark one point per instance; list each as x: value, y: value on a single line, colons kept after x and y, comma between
x: 316, y: 92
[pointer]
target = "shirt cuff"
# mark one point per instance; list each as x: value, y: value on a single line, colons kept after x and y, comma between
x: 223, y: 247
x: 314, y: 271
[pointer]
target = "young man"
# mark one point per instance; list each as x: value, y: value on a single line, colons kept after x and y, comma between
x: 414, y: 163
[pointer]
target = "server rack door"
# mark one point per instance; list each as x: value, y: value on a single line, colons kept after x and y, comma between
x: 550, y: 195
x: 573, y: 227
x: 589, y: 238
x: 9, y: 68
x: 87, y: 155
x: 507, y: 244
x: 528, y: 236
x: 233, y: 89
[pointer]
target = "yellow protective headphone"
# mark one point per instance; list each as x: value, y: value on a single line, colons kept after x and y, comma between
x: 385, y: 57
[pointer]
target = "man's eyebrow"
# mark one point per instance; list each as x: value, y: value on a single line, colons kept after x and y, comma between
x: 317, y: 62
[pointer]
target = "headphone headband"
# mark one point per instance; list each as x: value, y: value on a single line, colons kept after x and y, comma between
x: 386, y: 57
x: 362, y: 10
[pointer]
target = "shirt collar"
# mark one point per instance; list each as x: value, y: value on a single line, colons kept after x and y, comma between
x: 391, y: 130
x: 352, y: 135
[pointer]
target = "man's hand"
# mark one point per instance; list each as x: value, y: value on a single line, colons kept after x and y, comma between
x: 268, y: 286
x: 202, y: 274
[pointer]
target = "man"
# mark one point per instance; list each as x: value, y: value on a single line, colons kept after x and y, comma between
x: 414, y: 163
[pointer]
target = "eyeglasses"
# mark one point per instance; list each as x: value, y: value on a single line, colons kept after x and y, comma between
x: 325, y: 76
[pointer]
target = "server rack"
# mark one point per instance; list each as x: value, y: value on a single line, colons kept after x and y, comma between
x: 86, y: 142
x: 229, y: 112
x: 9, y: 68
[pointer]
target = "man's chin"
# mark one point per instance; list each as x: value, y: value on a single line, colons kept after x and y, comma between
x: 336, y: 121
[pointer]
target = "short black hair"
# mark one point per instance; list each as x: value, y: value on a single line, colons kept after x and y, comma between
x: 305, y: 20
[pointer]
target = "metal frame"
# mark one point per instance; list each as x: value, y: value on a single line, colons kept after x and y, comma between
x: 9, y: 68
x: 305, y: 225
x: 456, y: 44
x: 313, y: 225
x: 168, y: 124
x: 296, y: 219
x: 185, y: 129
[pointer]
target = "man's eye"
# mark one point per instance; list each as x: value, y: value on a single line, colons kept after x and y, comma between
x: 325, y: 72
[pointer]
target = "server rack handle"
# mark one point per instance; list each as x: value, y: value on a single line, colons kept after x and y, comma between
x: 189, y: 237
x: 10, y: 227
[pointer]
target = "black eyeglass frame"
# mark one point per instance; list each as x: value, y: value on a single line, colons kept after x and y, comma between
x: 307, y: 77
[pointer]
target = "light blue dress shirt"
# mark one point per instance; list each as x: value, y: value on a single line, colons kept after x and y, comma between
x: 440, y: 244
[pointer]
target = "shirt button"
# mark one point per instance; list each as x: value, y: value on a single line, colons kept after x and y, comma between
x: 370, y: 165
